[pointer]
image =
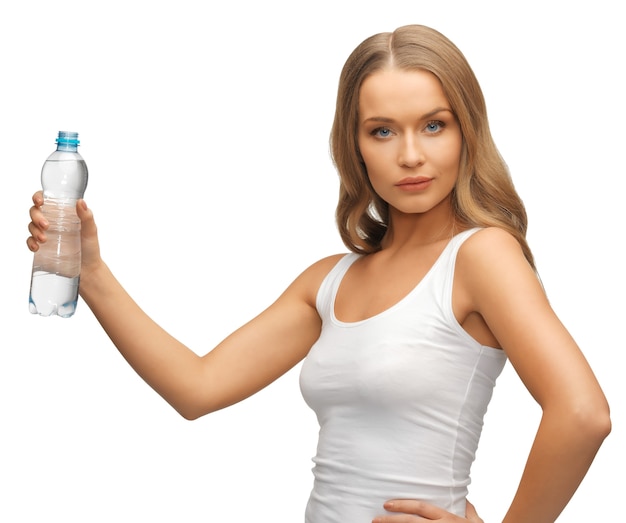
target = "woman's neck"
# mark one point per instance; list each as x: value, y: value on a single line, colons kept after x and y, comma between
x: 416, y: 230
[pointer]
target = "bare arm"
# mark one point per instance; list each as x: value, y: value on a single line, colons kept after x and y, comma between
x: 504, y: 290
x: 245, y: 362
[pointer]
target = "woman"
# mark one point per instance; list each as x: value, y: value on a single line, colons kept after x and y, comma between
x: 403, y: 338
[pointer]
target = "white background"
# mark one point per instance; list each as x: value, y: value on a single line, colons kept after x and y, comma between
x: 205, y: 129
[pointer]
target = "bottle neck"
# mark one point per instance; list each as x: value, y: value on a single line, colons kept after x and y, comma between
x: 67, y: 147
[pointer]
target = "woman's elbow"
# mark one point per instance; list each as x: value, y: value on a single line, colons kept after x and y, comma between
x: 192, y: 412
x: 602, y: 423
x: 594, y: 420
x: 189, y: 415
x: 192, y: 407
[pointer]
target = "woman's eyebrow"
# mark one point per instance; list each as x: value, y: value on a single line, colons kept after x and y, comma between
x: 429, y: 114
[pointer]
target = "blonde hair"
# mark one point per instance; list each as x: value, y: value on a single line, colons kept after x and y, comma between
x: 484, y: 195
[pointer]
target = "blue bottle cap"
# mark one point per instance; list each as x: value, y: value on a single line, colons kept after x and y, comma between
x: 67, y: 138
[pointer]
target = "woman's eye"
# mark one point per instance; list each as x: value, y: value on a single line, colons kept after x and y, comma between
x: 434, y: 127
x: 382, y: 132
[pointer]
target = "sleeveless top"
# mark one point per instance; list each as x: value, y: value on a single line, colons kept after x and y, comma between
x: 400, y: 399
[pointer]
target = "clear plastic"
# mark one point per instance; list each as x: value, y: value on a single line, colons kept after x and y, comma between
x: 56, y: 265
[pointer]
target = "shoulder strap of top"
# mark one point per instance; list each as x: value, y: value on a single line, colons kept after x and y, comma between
x: 330, y: 284
x: 448, y: 277
x: 454, y: 246
x: 460, y: 238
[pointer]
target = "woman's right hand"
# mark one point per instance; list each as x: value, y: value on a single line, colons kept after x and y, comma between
x: 409, y: 510
x: 90, y: 247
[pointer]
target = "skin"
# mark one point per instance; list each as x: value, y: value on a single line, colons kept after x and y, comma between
x: 406, y: 131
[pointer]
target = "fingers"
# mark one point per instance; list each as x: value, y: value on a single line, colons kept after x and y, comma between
x: 38, y: 223
x: 38, y: 198
x: 89, y: 237
x: 83, y: 212
x: 36, y: 237
x: 471, y: 514
x: 36, y: 216
x: 87, y: 223
x: 410, y: 508
x: 413, y: 511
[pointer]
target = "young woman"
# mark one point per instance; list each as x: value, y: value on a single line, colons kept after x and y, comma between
x: 403, y: 338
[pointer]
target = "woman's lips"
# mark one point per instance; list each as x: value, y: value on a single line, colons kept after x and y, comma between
x: 417, y: 183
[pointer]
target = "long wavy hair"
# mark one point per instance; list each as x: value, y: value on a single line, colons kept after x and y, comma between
x: 484, y: 194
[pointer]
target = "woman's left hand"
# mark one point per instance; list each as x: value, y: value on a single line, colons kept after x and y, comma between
x: 409, y: 508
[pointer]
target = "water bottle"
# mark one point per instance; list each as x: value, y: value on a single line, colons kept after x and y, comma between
x: 56, y: 265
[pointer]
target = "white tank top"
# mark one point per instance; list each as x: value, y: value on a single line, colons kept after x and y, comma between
x: 400, y: 399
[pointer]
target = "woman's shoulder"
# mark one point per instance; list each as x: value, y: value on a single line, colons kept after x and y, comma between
x: 310, y: 280
x: 492, y: 256
x: 489, y: 243
x: 321, y: 268
x: 492, y: 275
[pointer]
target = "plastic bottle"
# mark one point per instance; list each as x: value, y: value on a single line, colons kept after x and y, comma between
x: 56, y: 265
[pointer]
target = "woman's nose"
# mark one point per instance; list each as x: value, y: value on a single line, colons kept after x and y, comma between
x: 410, y: 153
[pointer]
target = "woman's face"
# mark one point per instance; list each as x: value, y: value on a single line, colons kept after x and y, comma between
x: 409, y: 139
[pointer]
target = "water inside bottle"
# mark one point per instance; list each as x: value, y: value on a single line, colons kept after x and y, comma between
x: 64, y: 176
x: 53, y: 294
x: 56, y: 265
